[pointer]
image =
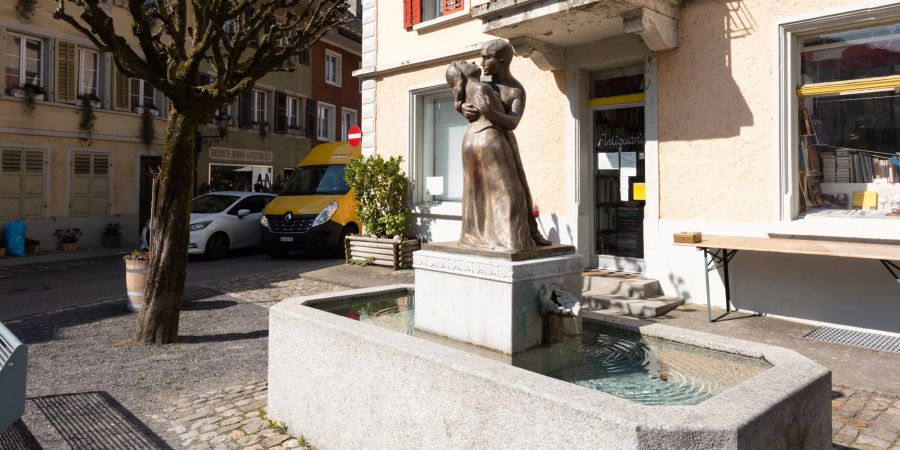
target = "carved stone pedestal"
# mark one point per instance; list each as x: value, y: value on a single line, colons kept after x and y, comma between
x: 491, y: 301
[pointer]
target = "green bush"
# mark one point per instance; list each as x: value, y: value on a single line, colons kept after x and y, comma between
x: 380, y: 189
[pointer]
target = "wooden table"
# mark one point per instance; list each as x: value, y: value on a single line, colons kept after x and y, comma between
x: 719, y: 250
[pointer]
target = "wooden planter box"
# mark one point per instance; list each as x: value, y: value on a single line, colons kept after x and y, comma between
x: 135, y: 282
x: 382, y: 251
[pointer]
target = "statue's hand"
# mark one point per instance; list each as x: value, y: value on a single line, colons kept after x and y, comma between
x: 470, y: 112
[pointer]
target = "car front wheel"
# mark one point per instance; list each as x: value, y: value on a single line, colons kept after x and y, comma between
x: 216, y: 246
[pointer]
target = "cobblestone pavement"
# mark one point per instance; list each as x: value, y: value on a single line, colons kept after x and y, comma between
x: 225, y: 419
x: 270, y: 288
x: 865, y: 420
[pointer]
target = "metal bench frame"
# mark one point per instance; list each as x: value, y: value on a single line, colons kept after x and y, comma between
x: 13, y: 373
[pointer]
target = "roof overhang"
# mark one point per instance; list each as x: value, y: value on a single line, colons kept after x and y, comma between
x: 540, y: 29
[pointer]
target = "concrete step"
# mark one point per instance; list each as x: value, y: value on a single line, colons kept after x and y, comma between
x: 619, y: 284
x: 627, y: 306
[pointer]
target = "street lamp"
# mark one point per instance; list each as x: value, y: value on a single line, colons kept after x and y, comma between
x: 221, y: 118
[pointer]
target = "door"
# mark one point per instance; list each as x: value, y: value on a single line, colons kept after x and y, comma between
x: 619, y: 193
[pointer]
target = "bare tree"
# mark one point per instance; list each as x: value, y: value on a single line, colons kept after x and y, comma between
x: 241, y: 41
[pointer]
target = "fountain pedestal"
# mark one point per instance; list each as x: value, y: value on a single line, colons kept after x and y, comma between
x: 491, y: 299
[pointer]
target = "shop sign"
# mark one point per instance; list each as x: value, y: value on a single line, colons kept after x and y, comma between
x: 233, y: 154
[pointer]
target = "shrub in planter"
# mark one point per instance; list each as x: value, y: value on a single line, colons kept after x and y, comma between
x: 379, y: 186
x: 86, y: 116
x: 68, y: 238
x: 31, y: 246
x: 112, y: 234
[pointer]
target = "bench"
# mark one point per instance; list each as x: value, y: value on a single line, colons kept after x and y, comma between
x: 13, y: 369
x: 719, y: 250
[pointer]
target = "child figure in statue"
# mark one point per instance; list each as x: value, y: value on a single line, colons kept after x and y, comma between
x: 495, y: 209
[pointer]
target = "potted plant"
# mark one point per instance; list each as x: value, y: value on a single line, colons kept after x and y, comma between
x: 68, y: 238
x: 380, y: 186
x: 31, y: 246
x: 86, y: 115
x: 112, y: 235
x: 33, y: 92
x: 136, y: 264
x: 25, y: 9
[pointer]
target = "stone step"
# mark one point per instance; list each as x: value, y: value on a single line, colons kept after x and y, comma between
x: 619, y: 284
x: 636, y: 307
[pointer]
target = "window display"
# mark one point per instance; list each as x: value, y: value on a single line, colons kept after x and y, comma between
x: 849, y: 123
x: 240, y: 178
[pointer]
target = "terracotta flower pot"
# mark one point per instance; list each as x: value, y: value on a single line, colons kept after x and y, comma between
x: 135, y: 281
x: 31, y: 249
x: 69, y: 246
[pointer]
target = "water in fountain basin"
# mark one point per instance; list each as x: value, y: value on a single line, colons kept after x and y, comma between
x: 644, y: 370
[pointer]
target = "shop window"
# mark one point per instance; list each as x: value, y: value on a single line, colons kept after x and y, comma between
x: 233, y: 177
x: 21, y: 183
x: 90, y: 184
x: 24, y: 62
x: 848, y: 140
x: 418, y: 11
x: 348, y: 119
x: 325, y: 129
x: 89, y: 73
x: 439, y: 133
x: 332, y: 68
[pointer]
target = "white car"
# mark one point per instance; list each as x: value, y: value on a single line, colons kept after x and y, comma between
x: 221, y: 221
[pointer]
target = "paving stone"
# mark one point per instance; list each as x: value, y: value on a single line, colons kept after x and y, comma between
x: 890, y: 419
x: 189, y: 434
x: 228, y: 428
x: 274, y: 440
x: 836, y: 425
x: 290, y: 443
x: 230, y: 420
x: 202, y: 446
x: 210, y: 427
x: 255, y: 425
x: 204, y: 422
x: 231, y: 412
x: 872, y: 441
x: 247, y: 407
x: 242, y: 402
x: 880, y: 432
x: 219, y: 439
x: 255, y: 447
x: 868, y: 414
x: 852, y: 407
x: 846, y: 435
x: 248, y: 440
x: 226, y: 446
x: 197, y: 415
x: 206, y: 437
x: 236, y: 435
x: 177, y: 429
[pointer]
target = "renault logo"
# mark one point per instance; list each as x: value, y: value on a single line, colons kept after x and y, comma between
x: 288, y: 217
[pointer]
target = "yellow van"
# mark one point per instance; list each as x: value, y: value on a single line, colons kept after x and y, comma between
x: 316, y: 209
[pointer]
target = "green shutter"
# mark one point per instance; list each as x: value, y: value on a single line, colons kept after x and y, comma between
x: 66, y: 76
x: 121, y: 90
x: 10, y: 183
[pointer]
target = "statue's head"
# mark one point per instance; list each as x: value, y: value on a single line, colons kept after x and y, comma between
x: 496, y: 56
x: 457, y: 74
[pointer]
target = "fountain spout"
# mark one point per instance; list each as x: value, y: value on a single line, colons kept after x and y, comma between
x: 554, y: 300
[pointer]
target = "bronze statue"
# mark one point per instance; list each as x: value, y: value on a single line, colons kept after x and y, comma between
x: 500, y: 110
x: 495, y: 212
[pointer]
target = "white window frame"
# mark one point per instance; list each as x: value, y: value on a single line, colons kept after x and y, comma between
x: 422, y: 153
x: 143, y: 85
x: 260, y: 110
x: 344, y: 122
x: 790, y: 31
x: 42, y: 61
x: 329, y: 121
x: 81, y: 69
x: 299, y: 102
x: 336, y: 79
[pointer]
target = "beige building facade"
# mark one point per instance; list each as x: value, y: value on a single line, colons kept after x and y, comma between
x: 649, y: 117
x: 55, y: 176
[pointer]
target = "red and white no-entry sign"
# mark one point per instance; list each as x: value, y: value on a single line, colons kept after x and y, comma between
x: 354, y: 135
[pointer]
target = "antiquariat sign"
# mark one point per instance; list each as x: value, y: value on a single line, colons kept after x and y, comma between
x: 234, y: 154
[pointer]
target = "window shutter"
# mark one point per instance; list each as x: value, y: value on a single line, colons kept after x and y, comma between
x: 303, y: 57
x: 311, y: 117
x: 121, y: 91
x: 2, y: 60
x: 245, y: 109
x: 452, y: 6
x: 81, y: 185
x: 11, y: 183
x: 99, y: 184
x: 33, y: 184
x: 66, y: 67
x: 280, y: 112
x: 416, y: 12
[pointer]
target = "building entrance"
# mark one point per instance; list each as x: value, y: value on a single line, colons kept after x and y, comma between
x: 619, y: 192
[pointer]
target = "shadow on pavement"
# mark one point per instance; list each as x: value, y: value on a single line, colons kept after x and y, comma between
x: 94, y: 420
x: 18, y: 437
x: 207, y: 305
x: 224, y: 337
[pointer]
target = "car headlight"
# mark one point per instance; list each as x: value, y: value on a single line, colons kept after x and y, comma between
x: 264, y: 221
x: 326, y: 214
x: 200, y: 225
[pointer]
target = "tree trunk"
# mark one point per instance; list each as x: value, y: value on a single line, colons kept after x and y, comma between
x: 158, y: 319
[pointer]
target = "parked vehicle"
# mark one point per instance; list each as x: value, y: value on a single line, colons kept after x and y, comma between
x: 316, y: 209
x: 221, y: 221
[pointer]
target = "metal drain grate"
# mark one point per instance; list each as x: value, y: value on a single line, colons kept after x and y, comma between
x: 862, y: 339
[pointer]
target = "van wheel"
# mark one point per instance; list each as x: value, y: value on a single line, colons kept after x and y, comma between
x: 339, y: 249
x: 216, y: 246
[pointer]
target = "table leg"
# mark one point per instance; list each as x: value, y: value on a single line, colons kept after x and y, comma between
x: 890, y: 266
x: 713, y: 260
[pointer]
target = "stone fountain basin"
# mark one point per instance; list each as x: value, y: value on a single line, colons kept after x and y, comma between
x: 345, y: 384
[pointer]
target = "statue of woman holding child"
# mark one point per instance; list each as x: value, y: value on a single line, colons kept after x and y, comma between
x: 496, y: 201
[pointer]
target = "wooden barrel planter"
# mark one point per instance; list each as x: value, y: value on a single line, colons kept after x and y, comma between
x: 135, y: 281
x: 69, y: 246
x: 394, y: 253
